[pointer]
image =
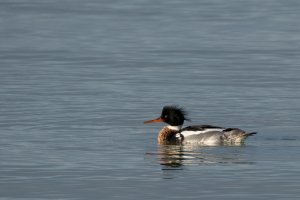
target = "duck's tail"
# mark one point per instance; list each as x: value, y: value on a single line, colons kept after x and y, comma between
x: 249, y: 134
x: 235, y: 135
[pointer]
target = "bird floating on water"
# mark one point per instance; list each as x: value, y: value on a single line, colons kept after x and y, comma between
x: 206, y: 135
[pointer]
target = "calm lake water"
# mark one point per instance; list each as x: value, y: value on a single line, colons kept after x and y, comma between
x: 78, y: 78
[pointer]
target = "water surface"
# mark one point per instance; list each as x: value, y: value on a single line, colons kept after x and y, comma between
x: 78, y: 78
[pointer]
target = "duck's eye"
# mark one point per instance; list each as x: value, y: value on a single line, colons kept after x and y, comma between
x: 166, y: 116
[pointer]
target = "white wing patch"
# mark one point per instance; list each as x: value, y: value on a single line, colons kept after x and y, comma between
x: 194, y: 133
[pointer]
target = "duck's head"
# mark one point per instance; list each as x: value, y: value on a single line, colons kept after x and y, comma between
x: 172, y: 115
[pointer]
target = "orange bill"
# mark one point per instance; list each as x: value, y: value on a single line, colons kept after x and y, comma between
x: 154, y: 120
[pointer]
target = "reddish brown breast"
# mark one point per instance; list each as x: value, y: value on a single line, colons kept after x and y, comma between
x: 167, y: 136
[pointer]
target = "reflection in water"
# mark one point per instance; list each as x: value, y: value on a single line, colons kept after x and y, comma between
x: 176, y: 156
x: 170, y: 155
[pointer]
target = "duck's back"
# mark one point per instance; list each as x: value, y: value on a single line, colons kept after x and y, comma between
x: 212, y: 135
x: 199, y: 130
x: 202, y: 134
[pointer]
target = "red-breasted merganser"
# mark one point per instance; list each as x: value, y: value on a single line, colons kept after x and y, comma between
x: 200, y: 134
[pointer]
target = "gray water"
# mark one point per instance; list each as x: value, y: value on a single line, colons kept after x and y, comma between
x: 78, y: 78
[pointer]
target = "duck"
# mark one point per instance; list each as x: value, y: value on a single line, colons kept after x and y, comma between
x: 205, y: 135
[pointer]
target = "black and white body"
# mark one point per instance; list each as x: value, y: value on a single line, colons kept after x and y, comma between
x: 205, y: 135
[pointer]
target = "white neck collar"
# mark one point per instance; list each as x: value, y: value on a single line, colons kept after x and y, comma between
x: 175, y: 128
